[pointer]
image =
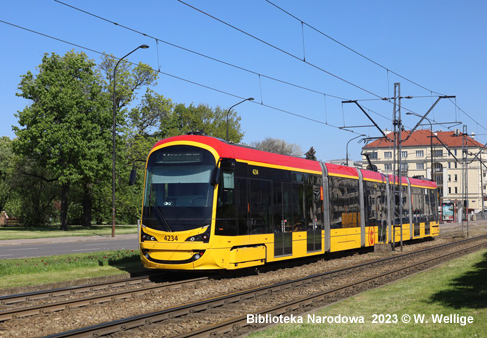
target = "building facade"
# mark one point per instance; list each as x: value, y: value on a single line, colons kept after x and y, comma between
x: 439, y: 156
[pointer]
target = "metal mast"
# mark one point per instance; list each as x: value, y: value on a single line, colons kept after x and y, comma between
x: 397, y: 179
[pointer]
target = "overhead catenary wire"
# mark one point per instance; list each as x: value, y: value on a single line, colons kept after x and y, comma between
x: 349, y: 48
x: 282, y: 50
x: 306, y: 62
x: 250, y: 71
x: 179, y: 78
x: 260, y: 75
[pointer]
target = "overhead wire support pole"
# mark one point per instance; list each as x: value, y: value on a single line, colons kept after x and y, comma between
x: 465, y: 174
x: 398, y: 137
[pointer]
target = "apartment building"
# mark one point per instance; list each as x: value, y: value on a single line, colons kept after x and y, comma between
x: 441, y: 151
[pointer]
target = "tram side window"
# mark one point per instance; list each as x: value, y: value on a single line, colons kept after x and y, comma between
x: 434, y: 205
x: 242, y: 206
x: 405, y: 206
x: 344, y: 202
x: 226, y: 210
x: 277, y: 225
x: 418, y: 205
x: 260, y: 206
x: 375, y: 204
x: 314, y: 206
x: 427, y: 205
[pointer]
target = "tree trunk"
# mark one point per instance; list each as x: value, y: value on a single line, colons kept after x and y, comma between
x: 64, y: 207
x: 87, y: 205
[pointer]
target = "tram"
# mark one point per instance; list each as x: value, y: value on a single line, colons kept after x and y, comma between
x: 209, y: 204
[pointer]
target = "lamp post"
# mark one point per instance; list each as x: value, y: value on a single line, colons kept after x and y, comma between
x: 114, y: 125
x: 346, y: 150
x: 228, y: 112
x: 431, y: 139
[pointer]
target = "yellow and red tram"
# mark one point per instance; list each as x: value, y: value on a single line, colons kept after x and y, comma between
x: 209, y: 205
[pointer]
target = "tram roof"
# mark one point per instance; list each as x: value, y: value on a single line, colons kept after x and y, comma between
x: 252, y: 155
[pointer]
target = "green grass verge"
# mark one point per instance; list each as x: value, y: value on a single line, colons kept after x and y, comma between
x: 61, y: 268
x: 53, y: 231
x: 455, y: 288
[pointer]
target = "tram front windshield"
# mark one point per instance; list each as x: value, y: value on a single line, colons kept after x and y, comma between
x: 178, y: 195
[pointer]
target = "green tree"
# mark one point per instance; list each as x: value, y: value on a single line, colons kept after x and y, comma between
x: 6, y: 170
x: 202, y: 118
x: 66, y: 128
x: 132, y: 128
x: 34, y: 194
x: 311, y: 154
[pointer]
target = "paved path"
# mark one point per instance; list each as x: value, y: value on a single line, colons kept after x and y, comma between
x: 24, y: 248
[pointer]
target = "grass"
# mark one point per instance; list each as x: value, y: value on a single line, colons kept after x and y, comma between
x: 52, y: 269
x: 456, y: 287
x: 53, y: 231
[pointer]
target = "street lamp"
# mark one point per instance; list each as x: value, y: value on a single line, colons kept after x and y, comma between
x: 431, y: 139
x: 346, y: 154
x: 113, y: 136
x: 228, y: 112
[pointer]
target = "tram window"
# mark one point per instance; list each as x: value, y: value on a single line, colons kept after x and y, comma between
x: 344, y: 202
x: 375, y: 204
x: 260, y: 203
x: 242, y: 206
x: 226, y: 209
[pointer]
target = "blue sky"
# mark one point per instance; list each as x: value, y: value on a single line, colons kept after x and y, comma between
x: 439, y: 45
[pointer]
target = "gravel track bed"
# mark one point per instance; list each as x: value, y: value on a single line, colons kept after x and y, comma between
x: 50, y: 323
x: 174, y: 327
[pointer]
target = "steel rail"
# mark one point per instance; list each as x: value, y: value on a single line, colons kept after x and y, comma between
x: 154, y: 317
x: 241, y: 321
x: 71, y: 290
x: 70, y: 304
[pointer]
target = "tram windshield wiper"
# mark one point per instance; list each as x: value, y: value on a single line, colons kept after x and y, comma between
x: 159, y: 215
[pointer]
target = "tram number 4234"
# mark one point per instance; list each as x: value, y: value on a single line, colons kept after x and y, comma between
x: 170, y: 238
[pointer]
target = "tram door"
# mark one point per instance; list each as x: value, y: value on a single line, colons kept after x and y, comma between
x: 314, y: 217
x: 282, y: 218
x: 260, y: 206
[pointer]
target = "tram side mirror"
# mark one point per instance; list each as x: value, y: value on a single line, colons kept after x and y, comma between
x: 215, y: 176
x: 133, y: 176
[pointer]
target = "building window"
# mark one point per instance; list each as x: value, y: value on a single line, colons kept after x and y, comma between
x: 449, y: 165
x: 456, y: 178
x: 404, y: 154
x: 449, y: 190
x: 456, y: 190
x: 456, y: 165
x: 373, y: 155
x: 388, y: 154
x: 449, y: 179
x: 419, y: 153
x: 438, y: 153
x: 388, y: 167
x: 419, y: 166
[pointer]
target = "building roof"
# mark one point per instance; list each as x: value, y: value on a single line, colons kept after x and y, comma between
x: 423, y: 138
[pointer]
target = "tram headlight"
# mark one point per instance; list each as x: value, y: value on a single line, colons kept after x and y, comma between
x: 204, y: 237
x: 198, y: 255
x: 146, y: 237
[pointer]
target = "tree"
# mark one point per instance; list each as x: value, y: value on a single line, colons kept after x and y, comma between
x: 6, y: 170
x: 202, y: 118
x: 135, y: 138
x: 311, y: 154
x: 278, y: 146
x: 66, y: 128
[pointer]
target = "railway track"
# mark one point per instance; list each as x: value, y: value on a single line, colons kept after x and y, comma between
x: 53, y: 306
x: 72, y: 290
x: 228, y: 314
